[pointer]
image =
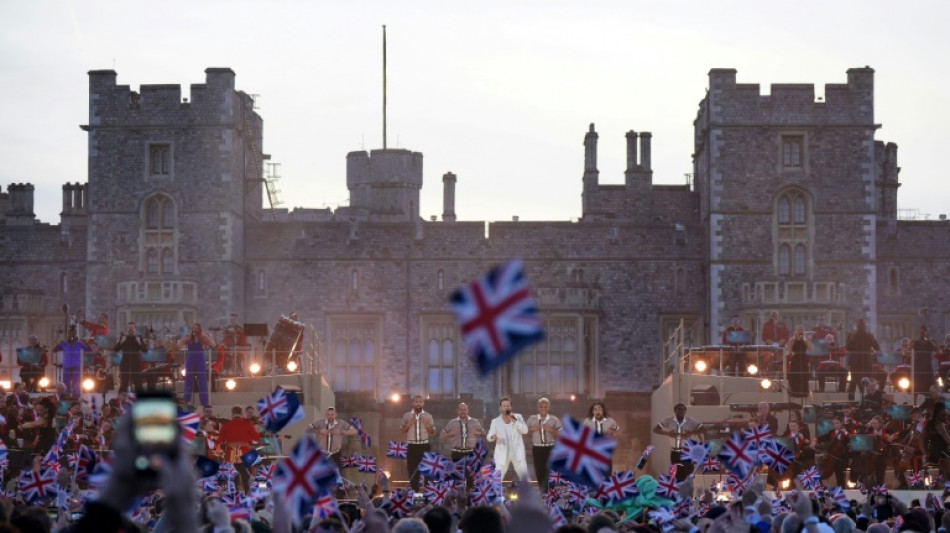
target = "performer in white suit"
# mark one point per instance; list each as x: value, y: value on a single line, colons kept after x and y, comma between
x: 507, y: 433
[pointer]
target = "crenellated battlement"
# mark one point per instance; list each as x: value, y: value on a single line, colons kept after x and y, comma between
x: 848, y: 103
x: 211, y: 102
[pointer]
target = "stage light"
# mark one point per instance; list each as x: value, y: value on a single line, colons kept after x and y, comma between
x: 752, y: 370
x: 785, y: 483
x: 44, y: 382
x: 573, y: 397
x: 183, y: 372
x: 700, y: 366
x: 849, y: 376
x: 395, y: 397
x: 254, y: 368
x: 766, y: 383
x: 903, y: 383
x: 292, y: 366
x: 940, y: 382
x: 5, y: 384
x: 388, y: 474
x: 88, y: 384
x: 851, y: 485
x: 230, y: 384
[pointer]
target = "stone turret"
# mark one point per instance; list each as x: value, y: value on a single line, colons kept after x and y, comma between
x: 384, y: 185
x: 448, y: 197
x: 20, y: 207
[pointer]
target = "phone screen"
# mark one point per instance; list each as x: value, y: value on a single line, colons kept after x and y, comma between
x: 155, y: 423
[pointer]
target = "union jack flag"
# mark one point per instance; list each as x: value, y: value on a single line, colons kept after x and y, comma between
x: 279, y: 409
x: 936, y: 503
x: 434, y: 464
x: 366, y: 463
x: 480, y: 450
x: 666, y: 486
x: 738, y: 455
x: 880, y: 489
x: 364, y: 437
x: 101, y: 472
x: 436, y: 493
x: 399, y: 503
x: 840, y: 498
x: 694, y: 451
x: 810, y: 478
x: 621, y: 486
x: 736, y: 484
x: 37, y: 485
x: 349, y: 461
x: 398, y: 450
x: 776, y: 456
x: 482, y: 493
x: 551, y: 496
x: 682, y: 507
x: 189, y: 423
x: 300, y: 477
x: 577, y: 494
x: 711, y: 464
x: 264, y: 473
x: 663, y: 517
x: 497, y: 316
x: 556, y: 516
x: 325, y: 506
x: 86, y: 461
x: 580, y: 454
x: 239, y: 512
x: 555, y: 478
x: 915, y: 478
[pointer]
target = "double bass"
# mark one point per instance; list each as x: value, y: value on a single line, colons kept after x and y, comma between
x: 836, y: 453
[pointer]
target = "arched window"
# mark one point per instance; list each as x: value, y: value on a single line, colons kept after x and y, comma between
x: 159, y: 242
x: 792, y: 233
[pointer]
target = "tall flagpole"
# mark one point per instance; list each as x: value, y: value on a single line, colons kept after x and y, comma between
x: 384, y: 86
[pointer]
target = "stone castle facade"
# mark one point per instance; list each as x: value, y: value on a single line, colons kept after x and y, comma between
x: 792, y: 207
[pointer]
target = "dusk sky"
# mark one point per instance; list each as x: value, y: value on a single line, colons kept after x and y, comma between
x: 498, y: 92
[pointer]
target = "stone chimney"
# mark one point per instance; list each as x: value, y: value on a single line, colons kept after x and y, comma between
x: 21, y: 204
x: 448, y: 197
x: 590, y: 151
x: 645, y: 150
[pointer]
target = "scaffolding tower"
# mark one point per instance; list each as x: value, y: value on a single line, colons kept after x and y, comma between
x: 271, y: 175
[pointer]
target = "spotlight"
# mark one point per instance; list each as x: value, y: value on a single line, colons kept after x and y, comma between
x: 573, y: 397
x: 849, y: 376
x: 851, y: 485
x: 230, y: 384
x: 292, y: 366
x: 903, y: 383
x: 44, y: 382
x: 395, y: 397
x: 88, y: 384
x: 752, y: 370
x: 5, y: 384
x: 700, y: 366
x: 254, y: 368
x: 766, y: 383
x: 940, y: 382
x: 785, y: 483
x: 388, y: 474
x: 183, y: 373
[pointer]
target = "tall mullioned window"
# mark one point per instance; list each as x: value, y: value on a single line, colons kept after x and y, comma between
x: 793, y: 151
x: 159, y: 253
x: 355, y: 348
x: 159, y: 159
x: 552, y: 366
x: 792, y: 233
x: 442, y: 346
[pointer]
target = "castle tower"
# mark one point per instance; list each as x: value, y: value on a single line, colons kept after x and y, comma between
x: 384, y: 185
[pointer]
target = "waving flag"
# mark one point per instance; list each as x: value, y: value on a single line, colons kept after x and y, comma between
x: 580, y: 454
x: 239, y: 512
x: 86, y: 461
x: 188, y: 422
x: 398, y: 450
x: 682, y: 507
x: 366, y: 463
x: 349, y: 461
x: 37, y: 485
x: 555, y: 478
x: 436, y: 492
x: 738, y: 455
x: 915, y: 478
x: 399, y: 503
x: 840, y: 498
x: 325, y: 506
x: 251, y: 458
x: 711, y: 464
x: 497, y: 316
x: 758, y: 435
x: 694, y: 451
x: 434, y: 465
x: 663, y: 518
x: 556, y: 516
x: 810, y: 478
x: 364, y: 437
x: 480, y: 450
x: 620, y: 486
x: 776, y: 456
x: 482, y: 493
x: 666, y: 486
x: 279, y: 410
x: 206, y: 467
x: 300, y: 477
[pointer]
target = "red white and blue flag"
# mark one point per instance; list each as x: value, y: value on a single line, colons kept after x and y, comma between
x: 434, y: 464
x: 86, y: 461
x: 364, y: 437
x: 436, y: 492
x: 580, y: 454
x: 711, y: 464
x: 497, y: 315
x: 810, y: 478
x: 280, y: 409
x: 620, y: 486
x: 399, y: 504
x: 776, y: 456
x: 760, y: 435
x: 366, y: 463
x: 300, y: 477
x: 188, y: 422
x: 915, y: 478
x: 556, y: 516
x: 555, y: 478
x: 37, y: 485
x: 666, y: 486
x: 349, y: 461
x: 325, y: 506
x: 738, y: 455
x: 398, y: 450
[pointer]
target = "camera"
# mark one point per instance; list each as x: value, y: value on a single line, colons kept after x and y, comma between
x: 155, y: 430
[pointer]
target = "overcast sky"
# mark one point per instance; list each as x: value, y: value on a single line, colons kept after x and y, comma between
x: 498, y: 92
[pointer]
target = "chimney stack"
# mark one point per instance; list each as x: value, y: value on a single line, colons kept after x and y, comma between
x: 631, y: 151
x: 448, y: 197
x: 645, y: 150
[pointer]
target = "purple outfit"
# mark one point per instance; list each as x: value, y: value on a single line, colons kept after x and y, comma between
x: 196, y: 367
x: 72, y: 364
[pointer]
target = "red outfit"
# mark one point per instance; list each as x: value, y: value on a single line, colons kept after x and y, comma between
x: 239, y: 431
x: 775, y: 332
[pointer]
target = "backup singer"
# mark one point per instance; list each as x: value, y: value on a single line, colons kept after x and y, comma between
x: 462, y: 433
x: 130, y: 369
x: 544, y: 429
x: 506, y: 432
x: 679, y: 427
x: 417, y: 426
x: 72, y: 349
x: 196, y: 363
x: 330, y: 432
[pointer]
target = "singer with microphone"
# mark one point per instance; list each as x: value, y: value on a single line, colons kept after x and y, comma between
x: 507, y: 433
x: 130, y: 369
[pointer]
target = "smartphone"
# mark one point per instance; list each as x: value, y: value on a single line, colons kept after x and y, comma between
x: 154, y: 428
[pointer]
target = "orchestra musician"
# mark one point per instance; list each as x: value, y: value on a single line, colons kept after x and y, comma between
x: 238, y: 436
x: 234, y: 338
x: 30, y: 373
x: 861, y: 347
x: 764, y: 417
x: 804, y: 453
x: 99, y: 328
x: 196, y: 364
x: 835, y: 445
x: 924, y: 362
x: 679, y: 427
x: 880, y: 453
x: 831, y: 366
x: 937, y: 439
x: 911, y: 449
x: 733, y: 327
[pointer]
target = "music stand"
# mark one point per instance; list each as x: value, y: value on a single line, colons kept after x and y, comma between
x: 862, y: 443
